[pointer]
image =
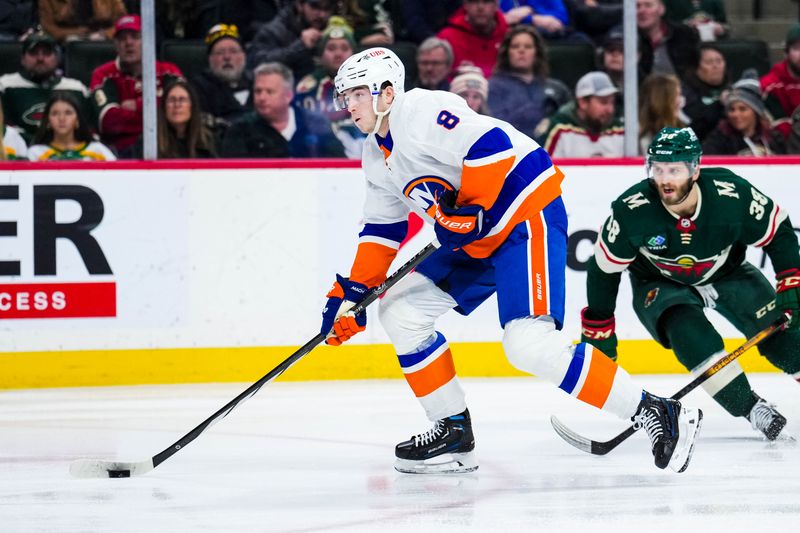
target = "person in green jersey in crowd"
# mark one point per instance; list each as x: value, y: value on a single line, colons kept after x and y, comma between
x: 682, y: 234
x: 64, y: 133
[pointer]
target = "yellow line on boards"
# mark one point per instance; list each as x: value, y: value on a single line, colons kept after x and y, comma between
x: 201, y: 365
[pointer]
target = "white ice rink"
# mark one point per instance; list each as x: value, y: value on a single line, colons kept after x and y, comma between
x: 318, y: 457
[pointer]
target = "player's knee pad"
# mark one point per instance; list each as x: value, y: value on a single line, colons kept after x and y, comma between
x: 534, y: 345
x: 409, y: 311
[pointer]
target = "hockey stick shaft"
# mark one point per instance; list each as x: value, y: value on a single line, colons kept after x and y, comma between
x: 89, y: 468
x: 603, y: 447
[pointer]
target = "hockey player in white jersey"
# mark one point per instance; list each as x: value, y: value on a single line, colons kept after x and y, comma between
x: 494, y: 197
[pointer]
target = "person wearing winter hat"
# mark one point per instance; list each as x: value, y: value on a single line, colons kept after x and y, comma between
x: 780, y: 87
x: 315, y: 90
x: 470, y: 84
x: 745, y: 130
x: 224, y: 89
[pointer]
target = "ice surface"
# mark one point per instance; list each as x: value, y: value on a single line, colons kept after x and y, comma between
x: 304, y: 457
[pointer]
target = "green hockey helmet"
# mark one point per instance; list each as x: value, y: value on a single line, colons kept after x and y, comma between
x: 675, y: 145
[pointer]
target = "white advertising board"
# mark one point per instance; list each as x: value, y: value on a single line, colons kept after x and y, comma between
x: 117, y: 259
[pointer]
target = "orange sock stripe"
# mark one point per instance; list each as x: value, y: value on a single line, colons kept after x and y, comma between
x: 538, y: 268
x: 433, y: 376
x: 371, y: 264
x: 599, y: 380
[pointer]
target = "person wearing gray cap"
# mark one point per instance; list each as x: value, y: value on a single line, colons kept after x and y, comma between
x: 745, y: 130
x: 587, y: 127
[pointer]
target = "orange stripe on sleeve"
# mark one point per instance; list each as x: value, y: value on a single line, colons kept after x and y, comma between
x: 599, y: 380
x: 371, y: 264
x: 437, y: 373
x: 481, y: 185
x: 538, y: 268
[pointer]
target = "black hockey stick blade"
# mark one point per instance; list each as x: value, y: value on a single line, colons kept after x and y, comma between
x: 94, y: 468
x: 603, y: 447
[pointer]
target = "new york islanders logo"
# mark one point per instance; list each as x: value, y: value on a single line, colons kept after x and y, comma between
x: 424, y: 191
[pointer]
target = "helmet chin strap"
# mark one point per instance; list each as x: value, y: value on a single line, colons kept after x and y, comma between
x: 380, y: 114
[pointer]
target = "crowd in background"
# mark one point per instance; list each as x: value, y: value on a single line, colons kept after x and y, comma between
x: 267, y: 89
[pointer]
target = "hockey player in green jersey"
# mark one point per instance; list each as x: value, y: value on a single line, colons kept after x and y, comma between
x: 682, y: 234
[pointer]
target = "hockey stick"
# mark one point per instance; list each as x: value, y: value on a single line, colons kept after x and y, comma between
x: 93, y: 468
x: 601, y: 448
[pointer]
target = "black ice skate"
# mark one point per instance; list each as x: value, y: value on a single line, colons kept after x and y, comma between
x: 671, y: 428
x: 764, y: 417
x: 445, y: 448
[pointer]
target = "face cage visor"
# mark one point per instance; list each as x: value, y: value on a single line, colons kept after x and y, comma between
x: 357, y: 95
x: 691, y: 166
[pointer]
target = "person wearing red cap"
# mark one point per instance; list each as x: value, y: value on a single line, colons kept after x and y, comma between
x: 117, y: 85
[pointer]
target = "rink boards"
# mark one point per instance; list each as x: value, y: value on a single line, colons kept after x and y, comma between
x: 190, y: 272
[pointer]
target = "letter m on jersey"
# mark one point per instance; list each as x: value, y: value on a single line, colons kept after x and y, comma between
x: 726, y: 188
x: 635, y: 200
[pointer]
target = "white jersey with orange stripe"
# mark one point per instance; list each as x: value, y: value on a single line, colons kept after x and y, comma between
x: 435, y: 143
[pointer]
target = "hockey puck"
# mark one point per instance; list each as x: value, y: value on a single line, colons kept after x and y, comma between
x: 119, y: 473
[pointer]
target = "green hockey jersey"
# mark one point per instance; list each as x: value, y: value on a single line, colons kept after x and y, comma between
x: 643, y: 236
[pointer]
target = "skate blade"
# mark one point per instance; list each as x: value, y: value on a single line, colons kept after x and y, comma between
x: 690, y: 422
x: 448, y: 463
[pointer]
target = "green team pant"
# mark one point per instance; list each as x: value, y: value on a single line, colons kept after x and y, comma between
x: 673, y: 315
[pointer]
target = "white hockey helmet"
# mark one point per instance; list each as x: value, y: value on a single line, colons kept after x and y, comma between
x: 371, y: 68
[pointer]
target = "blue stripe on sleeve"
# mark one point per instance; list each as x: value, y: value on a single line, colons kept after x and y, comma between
x: 411, y: 359
x: 574, y: 370
x: 492, y: 142
x: 394, y: 232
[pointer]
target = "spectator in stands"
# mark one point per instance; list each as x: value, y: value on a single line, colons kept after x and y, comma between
x: 703, y: 88
x: 182, y: 132
x: 746, y: 129
x: 708, y: 17
x: 470, y: 84
x: 660, y: 103
x: 277, y: 128
x: 292, y: 36
x: 117, y: 86
x: 16, y: 17
x: 520, y: 91
x: 793, y: 142
x: 780, y: 87
x: 315, y: 91
x: 371, y: 21
x: 674, y: 45
x: 90, y: 20
x: 595, y: 18
x: 224, y: 88
x: 474, y: 32
x: 611, y: 60
x: 64, y: 134
x: 185, y: 19
x: 589, y: 126
x: 249, y: 15
x: 26, y: 92
x: 12, y: 145
x: 423, y: 18
x: 551, y: 18
x: 434, y: 63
